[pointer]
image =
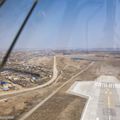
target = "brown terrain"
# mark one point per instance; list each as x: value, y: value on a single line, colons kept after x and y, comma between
x: 61, y: 105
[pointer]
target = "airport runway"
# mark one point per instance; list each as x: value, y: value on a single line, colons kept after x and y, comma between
x: 103, y: 98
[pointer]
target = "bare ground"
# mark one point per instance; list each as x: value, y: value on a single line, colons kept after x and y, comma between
x: 61, y: 106
x: 19, y: 104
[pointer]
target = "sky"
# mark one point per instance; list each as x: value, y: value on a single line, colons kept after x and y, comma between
x: 60, y: 24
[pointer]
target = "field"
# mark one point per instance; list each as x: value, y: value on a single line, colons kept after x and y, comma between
x: 53, y: 101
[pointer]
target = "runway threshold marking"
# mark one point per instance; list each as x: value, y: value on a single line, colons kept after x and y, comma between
x: 107, y: 85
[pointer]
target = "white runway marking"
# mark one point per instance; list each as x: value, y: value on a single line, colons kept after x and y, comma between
x: 109, y: 103
x: 107, y: 85
x: 97, y: 118
x: 100, y: 101
x: 109, y: 117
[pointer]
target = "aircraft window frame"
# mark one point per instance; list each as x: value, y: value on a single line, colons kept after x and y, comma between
x: 7, y: 54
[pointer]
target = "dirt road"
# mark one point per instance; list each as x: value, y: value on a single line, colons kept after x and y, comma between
x: 62, y: 106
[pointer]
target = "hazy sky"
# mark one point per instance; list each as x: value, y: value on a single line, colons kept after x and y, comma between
x: 58, y: 24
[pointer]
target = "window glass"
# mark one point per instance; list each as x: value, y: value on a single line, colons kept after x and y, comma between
x: 63, y: 41
x: 12, y: 14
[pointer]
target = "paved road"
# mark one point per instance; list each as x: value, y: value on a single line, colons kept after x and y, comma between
x: 103, y: 98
